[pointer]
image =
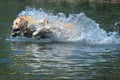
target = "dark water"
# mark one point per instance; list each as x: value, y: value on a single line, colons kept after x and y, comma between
x: 57, y: 60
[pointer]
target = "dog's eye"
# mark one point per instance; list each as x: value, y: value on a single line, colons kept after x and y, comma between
x: 16, y: 23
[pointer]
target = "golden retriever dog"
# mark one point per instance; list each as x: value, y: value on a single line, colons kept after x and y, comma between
x: 26, y: 26
x: 21, y: 26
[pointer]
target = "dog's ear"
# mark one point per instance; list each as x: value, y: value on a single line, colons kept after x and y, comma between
x: 23, y: 23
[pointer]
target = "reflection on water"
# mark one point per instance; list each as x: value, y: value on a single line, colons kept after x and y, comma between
x: 63, y: 61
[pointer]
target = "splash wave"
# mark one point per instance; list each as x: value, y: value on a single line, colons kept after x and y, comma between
x: 86, y: 29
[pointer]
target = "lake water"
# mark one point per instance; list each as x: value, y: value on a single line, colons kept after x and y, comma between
x: 92, y: 55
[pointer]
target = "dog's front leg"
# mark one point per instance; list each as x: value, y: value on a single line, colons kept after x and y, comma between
x: 37, y: 31
x: 37, y: 34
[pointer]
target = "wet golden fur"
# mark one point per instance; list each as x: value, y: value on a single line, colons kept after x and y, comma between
x: 24, y: 23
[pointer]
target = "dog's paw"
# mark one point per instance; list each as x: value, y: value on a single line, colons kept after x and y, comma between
x: 35, y: 33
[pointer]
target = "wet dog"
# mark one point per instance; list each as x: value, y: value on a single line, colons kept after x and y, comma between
x: 29, y: 27
x: 25, y: 26
x: 21, y: 26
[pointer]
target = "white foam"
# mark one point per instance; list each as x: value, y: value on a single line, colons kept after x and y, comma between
x: 86, y: 29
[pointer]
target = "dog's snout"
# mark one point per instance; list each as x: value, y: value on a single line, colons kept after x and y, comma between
x: 15, y: 32
x: 16, y: 29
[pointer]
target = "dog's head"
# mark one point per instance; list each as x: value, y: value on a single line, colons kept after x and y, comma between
x: 20, y: 27
x: 19, y: 23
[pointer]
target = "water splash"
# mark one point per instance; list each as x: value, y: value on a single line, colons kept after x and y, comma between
x: 86, y: 29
